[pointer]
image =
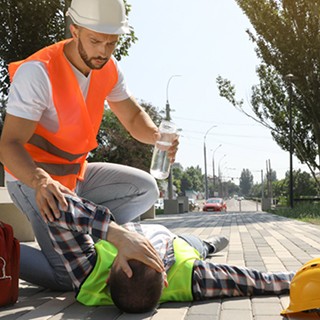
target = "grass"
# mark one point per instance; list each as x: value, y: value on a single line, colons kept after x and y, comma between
x: 159, y: 211
x: 304, y: 211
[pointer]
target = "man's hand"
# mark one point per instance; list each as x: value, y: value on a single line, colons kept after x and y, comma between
x: 48, y: 193
x: 173, y: 149
x: 132, y: 245
x: 15, y: 157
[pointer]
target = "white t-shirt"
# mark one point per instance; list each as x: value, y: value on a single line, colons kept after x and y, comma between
x: 30, y: 95
x: 159, y: 236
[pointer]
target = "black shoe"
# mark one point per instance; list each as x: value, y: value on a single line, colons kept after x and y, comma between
x: 216, y: 244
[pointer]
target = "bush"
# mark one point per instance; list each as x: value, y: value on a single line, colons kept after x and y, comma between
x: 159, y: 211
x: 283, y: 201
x: 302, y: 210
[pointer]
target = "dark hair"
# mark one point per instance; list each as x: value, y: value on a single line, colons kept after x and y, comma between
x: 138, y: 294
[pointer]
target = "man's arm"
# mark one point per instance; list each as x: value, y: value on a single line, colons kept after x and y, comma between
x: 16, y: 132
x: 132, y: 245
x: 139, y: 124
x: 83, y: 216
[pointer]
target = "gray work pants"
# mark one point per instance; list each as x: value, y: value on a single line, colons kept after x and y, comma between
x: 128, y: 192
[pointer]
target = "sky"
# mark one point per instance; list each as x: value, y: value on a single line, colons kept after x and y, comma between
x: 183, y: 47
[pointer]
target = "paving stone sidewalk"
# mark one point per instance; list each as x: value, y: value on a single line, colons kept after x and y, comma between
x: 259, y: 240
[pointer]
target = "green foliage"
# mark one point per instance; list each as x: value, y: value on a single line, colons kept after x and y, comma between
x: 306, y: 211
x: 196, y: 177
x: 117, y: 146
x: 304, y: 186
x: 231, y: 187
x: 256, y: 191
x: 159, y: 211
x: 283, y: 201
x: 246, y: 182
x: 177, y: 174
x: 225, y: 189
x: 186, y: 183
x: 126, y: 40
x: 25, y: 27
x: 190, y: 179
x: 273, y: 175
x: 287, y: 41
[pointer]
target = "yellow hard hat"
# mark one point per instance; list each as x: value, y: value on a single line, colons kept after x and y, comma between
x: 305, y: 288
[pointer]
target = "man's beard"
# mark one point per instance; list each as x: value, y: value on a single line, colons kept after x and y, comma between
x: 87, y: 61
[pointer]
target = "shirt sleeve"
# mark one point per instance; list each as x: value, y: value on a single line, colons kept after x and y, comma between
x: 72, y: 236
x: 120, y: 92
x: 30, y: 91
x: 161, y: 238
x: 85, y: 217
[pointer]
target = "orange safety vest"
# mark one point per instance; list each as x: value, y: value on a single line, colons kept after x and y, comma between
x: 63, y: 153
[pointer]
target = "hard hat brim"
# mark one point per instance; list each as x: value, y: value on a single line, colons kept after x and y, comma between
x: 301, y: 315
x: 286, y: 311
x: 100, y: 28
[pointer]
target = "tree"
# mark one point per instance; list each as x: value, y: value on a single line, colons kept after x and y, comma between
x: 273, y: 175
x: 287, y: 42
x: 186, y: 183
x: 232, y: 188
x: 303, y: 185
x: 117, y: 146
x: 281, y: 188
x: 246, y: 182
x: 177, y: 174
x: 196, y: 177
x: 189, y: 179
x: 255, y: 191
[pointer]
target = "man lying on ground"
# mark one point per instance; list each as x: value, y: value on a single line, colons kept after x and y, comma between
x: 188, y: 276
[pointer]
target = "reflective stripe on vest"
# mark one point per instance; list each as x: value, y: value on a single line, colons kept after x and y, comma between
x: 79, y: 119
x: 44, y: 144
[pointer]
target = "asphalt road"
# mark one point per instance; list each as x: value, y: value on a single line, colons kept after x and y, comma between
x: 234, y: 205
x: 242, y: 205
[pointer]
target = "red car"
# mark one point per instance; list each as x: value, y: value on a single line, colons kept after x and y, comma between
x: 215, y: 204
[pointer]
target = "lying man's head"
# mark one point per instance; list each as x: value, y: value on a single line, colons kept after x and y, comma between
x: 138, y: 294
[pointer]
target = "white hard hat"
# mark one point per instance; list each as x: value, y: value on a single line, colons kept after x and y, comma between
x: 103, y: 16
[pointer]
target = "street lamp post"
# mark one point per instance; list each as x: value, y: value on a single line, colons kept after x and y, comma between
x: 290, y: 77
x: 205, y: 161
x: 262, y: 188
x: 213, y: 167
x: 168, y: 117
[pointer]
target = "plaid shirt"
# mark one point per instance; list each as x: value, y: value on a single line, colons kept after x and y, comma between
x: 210, y: 280
x: 84, y: 221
